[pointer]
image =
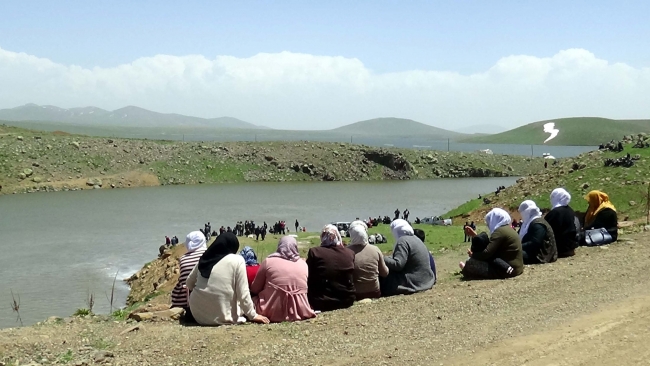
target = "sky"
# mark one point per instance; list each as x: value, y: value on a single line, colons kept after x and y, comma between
x: 323, y: 64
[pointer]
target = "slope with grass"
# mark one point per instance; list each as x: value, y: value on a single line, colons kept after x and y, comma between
x: 39, y: 161
x: 583, y: 131
x: 626, y: 187
x: 396, y: 127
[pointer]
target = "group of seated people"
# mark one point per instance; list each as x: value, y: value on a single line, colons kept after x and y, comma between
x: 219, y: 286
x: 541, y: 239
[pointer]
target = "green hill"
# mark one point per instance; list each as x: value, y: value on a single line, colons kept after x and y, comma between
x: 573, y: 131
x: 396, y: 127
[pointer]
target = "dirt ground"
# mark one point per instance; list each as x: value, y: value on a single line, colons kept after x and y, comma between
x: 592, y: 309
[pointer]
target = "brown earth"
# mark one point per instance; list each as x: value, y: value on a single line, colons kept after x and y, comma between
x: 591, y: 309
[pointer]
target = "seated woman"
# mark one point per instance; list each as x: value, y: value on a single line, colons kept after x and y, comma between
x: 251, y: 263
x: 281, y: 285
x: 220, y: 288
x: 368, y: 263
x: 409, y: 266
x: 422, y: 236
x: 537, y: 239
x: 195, y: 244
x: 331, y: 273
x: 562, y: 220
x: 503, y: 243
x: 601, y: 214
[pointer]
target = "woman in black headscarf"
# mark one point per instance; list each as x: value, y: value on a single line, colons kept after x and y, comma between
x: 219, y: 286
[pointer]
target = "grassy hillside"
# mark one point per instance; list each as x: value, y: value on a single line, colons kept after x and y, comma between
x: 573, y: 131
x: 395, y: 127
x: 41, y: 161
x: 626, y: 187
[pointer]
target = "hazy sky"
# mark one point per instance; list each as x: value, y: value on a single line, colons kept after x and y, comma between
x: 321, y: 64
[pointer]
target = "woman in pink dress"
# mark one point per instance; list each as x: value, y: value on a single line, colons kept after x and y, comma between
x: 281, y: 285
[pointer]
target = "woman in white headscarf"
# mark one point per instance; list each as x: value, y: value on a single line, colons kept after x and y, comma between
x: 331, y: 273
x: 409, y: 267
x: 537, y: 239
x: 368, y: 263
x: 563, y: 222
x: 496, y: 256
x: 195, y: 244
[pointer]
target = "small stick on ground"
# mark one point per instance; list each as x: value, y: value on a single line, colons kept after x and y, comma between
x: 15, y: 306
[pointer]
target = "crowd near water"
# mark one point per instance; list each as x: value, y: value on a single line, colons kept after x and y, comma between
x: 221, y: 285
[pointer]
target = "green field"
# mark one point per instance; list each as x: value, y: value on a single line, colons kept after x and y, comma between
x: 579, y: 131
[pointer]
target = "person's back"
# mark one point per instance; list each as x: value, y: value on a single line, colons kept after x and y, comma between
x: 538, y: 245
x: 331, y: 278
x: 409, y: 268
x: 368, y: 267
x: 187, y: 263
x: 281, y: 286
x: 216, y: 300
x: 562, y: 221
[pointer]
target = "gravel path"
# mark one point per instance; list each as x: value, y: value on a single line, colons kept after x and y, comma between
x: 553, y: 314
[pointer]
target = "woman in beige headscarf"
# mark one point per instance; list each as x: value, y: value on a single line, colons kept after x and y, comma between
x: 368, y: 263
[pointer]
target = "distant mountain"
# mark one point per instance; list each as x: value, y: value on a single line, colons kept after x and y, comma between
x: 130, y: 116
x: 580, y: 131
x: 482, y: 129
x: 395, y: 127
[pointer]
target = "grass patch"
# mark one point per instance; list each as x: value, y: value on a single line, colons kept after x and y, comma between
x: 82, y: 312
x: 465, y: 208
x: 65, y: 357
x: 153, y: 295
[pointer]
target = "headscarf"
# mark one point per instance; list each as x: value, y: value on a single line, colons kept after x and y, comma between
x: 401, y: 228
x: 598, y: 201
x: 560, y: 197
x: 496, y: 218
x: 249, y: 256
x: 287, y: 249
x: 224, y: 244
x: 358, y: 234
x: 359, y: 222
x: 330, y: 236
x: 529, y: 212
x: 195, y: 240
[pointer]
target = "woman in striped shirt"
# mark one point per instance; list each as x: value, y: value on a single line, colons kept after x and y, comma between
x: 196, y: 246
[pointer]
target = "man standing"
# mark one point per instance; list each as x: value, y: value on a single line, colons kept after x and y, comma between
x: 406, y: 214
x: 297, y: 225
x: 396, y: 214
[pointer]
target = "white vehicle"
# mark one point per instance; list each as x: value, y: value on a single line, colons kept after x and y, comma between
x: 548, y: 156
x: 436, y: 220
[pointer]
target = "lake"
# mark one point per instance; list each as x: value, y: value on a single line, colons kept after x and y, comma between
x: 58, y: 247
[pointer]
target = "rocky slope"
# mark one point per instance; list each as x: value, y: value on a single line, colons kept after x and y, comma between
x: 34, y: 161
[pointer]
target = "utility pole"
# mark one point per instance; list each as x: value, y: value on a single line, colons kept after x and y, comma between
x: 447, y: 145
x: 532, y: 150
x: 183, y: 137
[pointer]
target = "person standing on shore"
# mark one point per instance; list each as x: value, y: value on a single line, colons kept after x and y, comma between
x: 297, y: 225
x: 396, y: 214
x: 406, y: 214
